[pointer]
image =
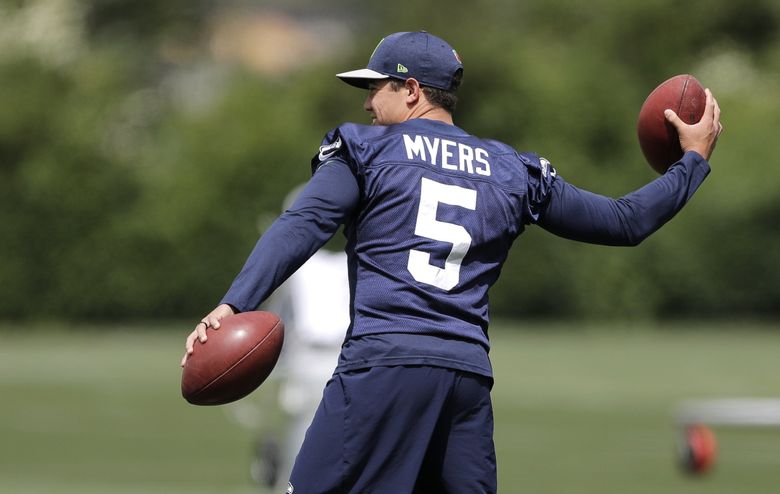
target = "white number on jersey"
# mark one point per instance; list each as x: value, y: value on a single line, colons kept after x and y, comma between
x: 431, y: 194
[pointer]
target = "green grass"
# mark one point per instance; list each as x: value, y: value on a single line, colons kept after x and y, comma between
x: 593, y: 411
x: 100, y: 411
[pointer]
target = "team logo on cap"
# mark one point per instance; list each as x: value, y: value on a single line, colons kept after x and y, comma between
x: 401, y: 69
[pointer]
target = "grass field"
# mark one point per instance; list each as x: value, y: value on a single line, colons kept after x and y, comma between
x: 99, y: 411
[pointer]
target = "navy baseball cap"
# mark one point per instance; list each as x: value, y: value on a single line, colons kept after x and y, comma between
x: 421, y: 55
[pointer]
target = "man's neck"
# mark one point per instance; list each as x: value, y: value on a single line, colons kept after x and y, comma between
x: 432, y: 113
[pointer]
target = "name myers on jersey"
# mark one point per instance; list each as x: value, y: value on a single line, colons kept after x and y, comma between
x: 450, y: 155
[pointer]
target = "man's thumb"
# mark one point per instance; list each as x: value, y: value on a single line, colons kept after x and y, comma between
x: 671, y: 116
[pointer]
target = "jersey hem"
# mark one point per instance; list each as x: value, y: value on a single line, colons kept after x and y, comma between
x: 414, y: 360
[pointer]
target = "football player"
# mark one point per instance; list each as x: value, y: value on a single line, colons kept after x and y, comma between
x: 430, y: 213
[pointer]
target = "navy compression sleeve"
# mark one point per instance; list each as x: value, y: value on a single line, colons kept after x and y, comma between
x: 326, y: 202
x: 580, y: 215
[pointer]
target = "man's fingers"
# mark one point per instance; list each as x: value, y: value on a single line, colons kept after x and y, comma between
x: 712, y: 104
x: 717, y: 108
x: 717, y: 116
x: 190, y: 342
x: 672, y: 117
x: 188, y: 347
x: 200, y: 328
x: 200, y: 334
x: 709, y: 106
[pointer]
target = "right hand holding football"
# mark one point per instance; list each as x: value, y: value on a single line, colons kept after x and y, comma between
x: 211, y: 320
x: 702, y: 136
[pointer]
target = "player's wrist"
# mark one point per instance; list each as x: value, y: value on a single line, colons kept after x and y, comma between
x: 230, y: 307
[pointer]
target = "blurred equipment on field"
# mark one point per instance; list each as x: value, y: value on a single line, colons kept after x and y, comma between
x: 698, y: 447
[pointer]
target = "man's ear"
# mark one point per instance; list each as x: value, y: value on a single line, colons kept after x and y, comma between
x: 413, y: 90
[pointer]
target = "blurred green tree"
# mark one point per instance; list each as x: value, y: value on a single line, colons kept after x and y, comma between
x: 136, y: 169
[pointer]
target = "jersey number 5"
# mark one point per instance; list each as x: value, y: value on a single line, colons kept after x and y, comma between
x: 431, y: 194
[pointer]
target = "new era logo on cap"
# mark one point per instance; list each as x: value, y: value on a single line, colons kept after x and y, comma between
x: 419, y: 55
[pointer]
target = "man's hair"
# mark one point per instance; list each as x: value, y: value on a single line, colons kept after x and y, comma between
x: 446, y: 99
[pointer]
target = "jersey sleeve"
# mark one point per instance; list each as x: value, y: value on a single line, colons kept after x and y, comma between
x: 326, y: 202
x: 541, y: 179
x: 580, y: 215
x: 341, y: 144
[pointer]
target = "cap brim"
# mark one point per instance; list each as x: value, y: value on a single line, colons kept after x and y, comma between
x: 361, y: 77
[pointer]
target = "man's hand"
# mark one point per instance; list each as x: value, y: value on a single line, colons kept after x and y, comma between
x: 702, y: 136
x: 210, y: 321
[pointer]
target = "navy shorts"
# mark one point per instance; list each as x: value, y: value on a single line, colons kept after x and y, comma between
x: 402, y: 429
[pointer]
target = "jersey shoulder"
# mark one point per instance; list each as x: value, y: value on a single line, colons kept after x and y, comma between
x: 537, y: 165
x: 528, y: 164
x: 349, y: 142
x: 534, y: 163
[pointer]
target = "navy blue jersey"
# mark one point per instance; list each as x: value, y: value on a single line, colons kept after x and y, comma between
x: 438, y: 211
x: 430, y: 213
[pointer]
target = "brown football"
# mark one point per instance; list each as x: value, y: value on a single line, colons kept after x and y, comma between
x: 234, y: 360
x: 658, y: 138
